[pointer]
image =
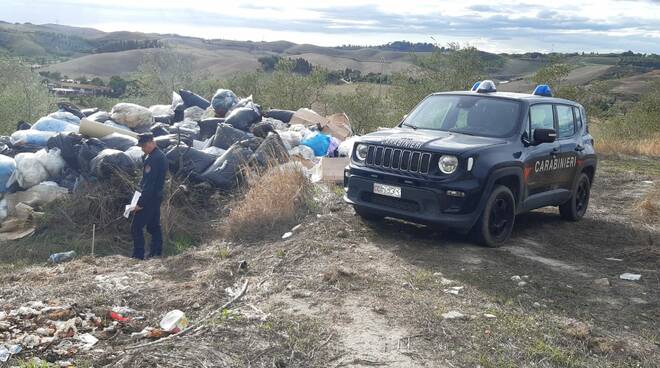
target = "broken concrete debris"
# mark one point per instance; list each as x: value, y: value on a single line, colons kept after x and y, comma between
x: 213, y: 141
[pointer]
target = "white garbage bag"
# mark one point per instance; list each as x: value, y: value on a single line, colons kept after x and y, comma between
x: 33, y: 168
x: 157, y: 110
x: 193, y: 113
x: 52, y: 160
x: 346, y: 147
x: 290, y: 138
x: 132, y: 115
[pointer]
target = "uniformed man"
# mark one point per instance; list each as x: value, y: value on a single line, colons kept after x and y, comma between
x: 147, y: 211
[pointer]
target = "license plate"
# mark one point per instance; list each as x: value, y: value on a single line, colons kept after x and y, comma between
x: 387, y: 190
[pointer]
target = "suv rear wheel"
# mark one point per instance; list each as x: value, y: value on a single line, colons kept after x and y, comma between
x: 496, y: 222
x: 575, y: 208
x: 367, y: 214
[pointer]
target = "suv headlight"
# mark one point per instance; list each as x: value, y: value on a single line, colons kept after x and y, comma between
x: 361, y: 152
x: 448, y: 164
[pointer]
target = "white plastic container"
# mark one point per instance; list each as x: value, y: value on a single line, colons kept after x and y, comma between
x: 174, y: 321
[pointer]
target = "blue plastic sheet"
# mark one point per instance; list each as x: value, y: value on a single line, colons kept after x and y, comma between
x: 48, y: 124
x: 318, y: 142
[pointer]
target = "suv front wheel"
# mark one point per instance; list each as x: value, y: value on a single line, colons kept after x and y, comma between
x: 496, y: 222
x: 575, y: 208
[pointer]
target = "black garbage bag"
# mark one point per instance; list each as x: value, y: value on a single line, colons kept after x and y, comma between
x: 226, y: 135
x: 69, y: 146
x: 90, y: 111
x: 192, y: 99
x: 185, y: 133
x: 89, y: 148
x: 262, y: 129
x: 69, y: 107
x: 224, y: 173
x: 165, y: 119
x: 100, y: 116
x: 159, y: 129
x: 165, y: 141
x: 243, y: 118
x: 110, y: 161
x: 22, y: 125
x: 208, y: 126
x: 281, y: 115
x: 179, y: 113
x: 271, y: 150
x: 188, y: 162
x: 69, y: 179
x: 119, y: 141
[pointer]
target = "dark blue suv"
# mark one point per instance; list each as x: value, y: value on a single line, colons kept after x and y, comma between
x: 473, y: 160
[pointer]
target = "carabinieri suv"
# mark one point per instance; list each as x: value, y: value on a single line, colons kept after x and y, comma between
x: 473, y: 160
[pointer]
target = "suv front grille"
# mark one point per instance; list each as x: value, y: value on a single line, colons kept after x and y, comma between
x: 406, y: 160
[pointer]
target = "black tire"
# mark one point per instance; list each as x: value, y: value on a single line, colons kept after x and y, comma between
x: 575, y: 208
x: 496, y: 221
x: 366, y: 214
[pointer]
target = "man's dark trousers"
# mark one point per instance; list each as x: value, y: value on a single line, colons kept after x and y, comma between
x: 148, y: 216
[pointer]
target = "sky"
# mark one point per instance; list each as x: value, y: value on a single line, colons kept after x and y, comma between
x: 490, y: 25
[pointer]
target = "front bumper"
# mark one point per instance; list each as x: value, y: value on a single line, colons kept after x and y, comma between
x: 421, y: 201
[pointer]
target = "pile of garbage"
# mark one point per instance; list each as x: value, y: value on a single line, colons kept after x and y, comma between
x: 60, y: 332
x: 204, y: 142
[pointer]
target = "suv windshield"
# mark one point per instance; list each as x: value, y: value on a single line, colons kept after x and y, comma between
x: 474, y: 115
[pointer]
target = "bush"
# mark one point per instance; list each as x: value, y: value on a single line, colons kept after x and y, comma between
x: 365, y: 106
x: 22, y: 96
x: 273, y: 203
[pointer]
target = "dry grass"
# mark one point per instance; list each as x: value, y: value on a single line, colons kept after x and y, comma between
x: 614, y: 146
x: 274, y: 202
x: 648, y: 208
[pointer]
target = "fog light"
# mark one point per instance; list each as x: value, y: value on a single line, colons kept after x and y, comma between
x: 455, y: 193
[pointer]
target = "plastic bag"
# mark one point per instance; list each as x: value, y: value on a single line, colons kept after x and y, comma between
x: 262, y: 129
x: 193, y: 113
x: 29, y: 171
x: 22, y: 125
x: 226, y: 136
x: 7, y: 168
x: 271, y: 150
x: 214, y: 151
x: 191, y: 99
x: 346, y: 147
x: 223, y: 100
x: 69, y: 146
x: 30, y: 137
x: 164, y: 119
x: 39, y: 195
x: 302, y: 151
x: 290, y: 138
x: 48, y: 124
x: 136, y: 154
x: 109, y: 161
x: 165, y: 141
x: 161, y: 110
x: 188, y: 162
x: 89, y: 148
x: 281, y: 115
x: 100, y: 116
x: 70, y: 108
x: 207, y: 127
x: 332, y: 148
x: 65, y: 116
x: 119, y: 142
x: 89, y: 112
x: 159, y: 129
x: 224, y: 172
x: 51, y: 160
x: 244, y: 102
x: 131, y: 115
x: 176, y: 101
x: 277, y: 124
x: 243, y: 118
x: 319, y: 142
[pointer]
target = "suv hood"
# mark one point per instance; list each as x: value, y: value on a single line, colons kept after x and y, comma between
x: 430, y: 140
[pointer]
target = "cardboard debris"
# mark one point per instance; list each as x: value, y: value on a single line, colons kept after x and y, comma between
x: 338, y: 126
x: 308, y: 117
x: 330, y: 170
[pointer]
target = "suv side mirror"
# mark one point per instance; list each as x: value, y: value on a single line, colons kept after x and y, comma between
x: 544, y: 135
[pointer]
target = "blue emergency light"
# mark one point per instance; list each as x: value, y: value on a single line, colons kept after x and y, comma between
x: 486, y: 86
x: 475, y: 86
x: 543, y: 90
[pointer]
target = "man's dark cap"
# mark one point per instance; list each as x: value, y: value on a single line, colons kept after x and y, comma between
x: 144, y: 138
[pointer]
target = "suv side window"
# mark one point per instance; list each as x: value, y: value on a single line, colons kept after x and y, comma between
x: 540, y: 116
x: 565, y: 121
x: 578, y: 119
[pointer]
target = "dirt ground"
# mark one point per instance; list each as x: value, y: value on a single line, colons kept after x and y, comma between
x: 344, y: 293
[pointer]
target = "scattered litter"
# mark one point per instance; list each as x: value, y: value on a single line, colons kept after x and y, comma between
x: 295, y: 228
x: 455, y: 290
x: 119, y: 281
x: 453, y: 315
x: 522, y: 283
x: 287, y: 235
x: 89, y: 340
x: 614, y: 259
x: 630, y: 276
x: 488, y: 315
x: 174, y: 321
x: 62, y: 257
x: 605, y: 282
x: 515, y: 278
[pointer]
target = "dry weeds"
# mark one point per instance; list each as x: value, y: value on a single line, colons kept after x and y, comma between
x: 275, y: 201
x: 614, y: 146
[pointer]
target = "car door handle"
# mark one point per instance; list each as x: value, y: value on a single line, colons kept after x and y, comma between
x: 579, y: 148
x: 555, y: 151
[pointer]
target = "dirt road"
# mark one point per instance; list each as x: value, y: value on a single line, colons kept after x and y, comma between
x: 344, y: 293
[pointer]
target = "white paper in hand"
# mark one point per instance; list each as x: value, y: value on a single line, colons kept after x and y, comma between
x: 130, y: 207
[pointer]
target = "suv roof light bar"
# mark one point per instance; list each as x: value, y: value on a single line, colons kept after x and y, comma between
x: 486, y: 86
x: 543, y: 90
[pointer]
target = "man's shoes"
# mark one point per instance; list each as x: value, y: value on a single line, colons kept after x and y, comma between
x: 150, y: 256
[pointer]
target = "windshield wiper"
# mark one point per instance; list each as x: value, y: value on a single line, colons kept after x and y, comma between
x: 410, y: 125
